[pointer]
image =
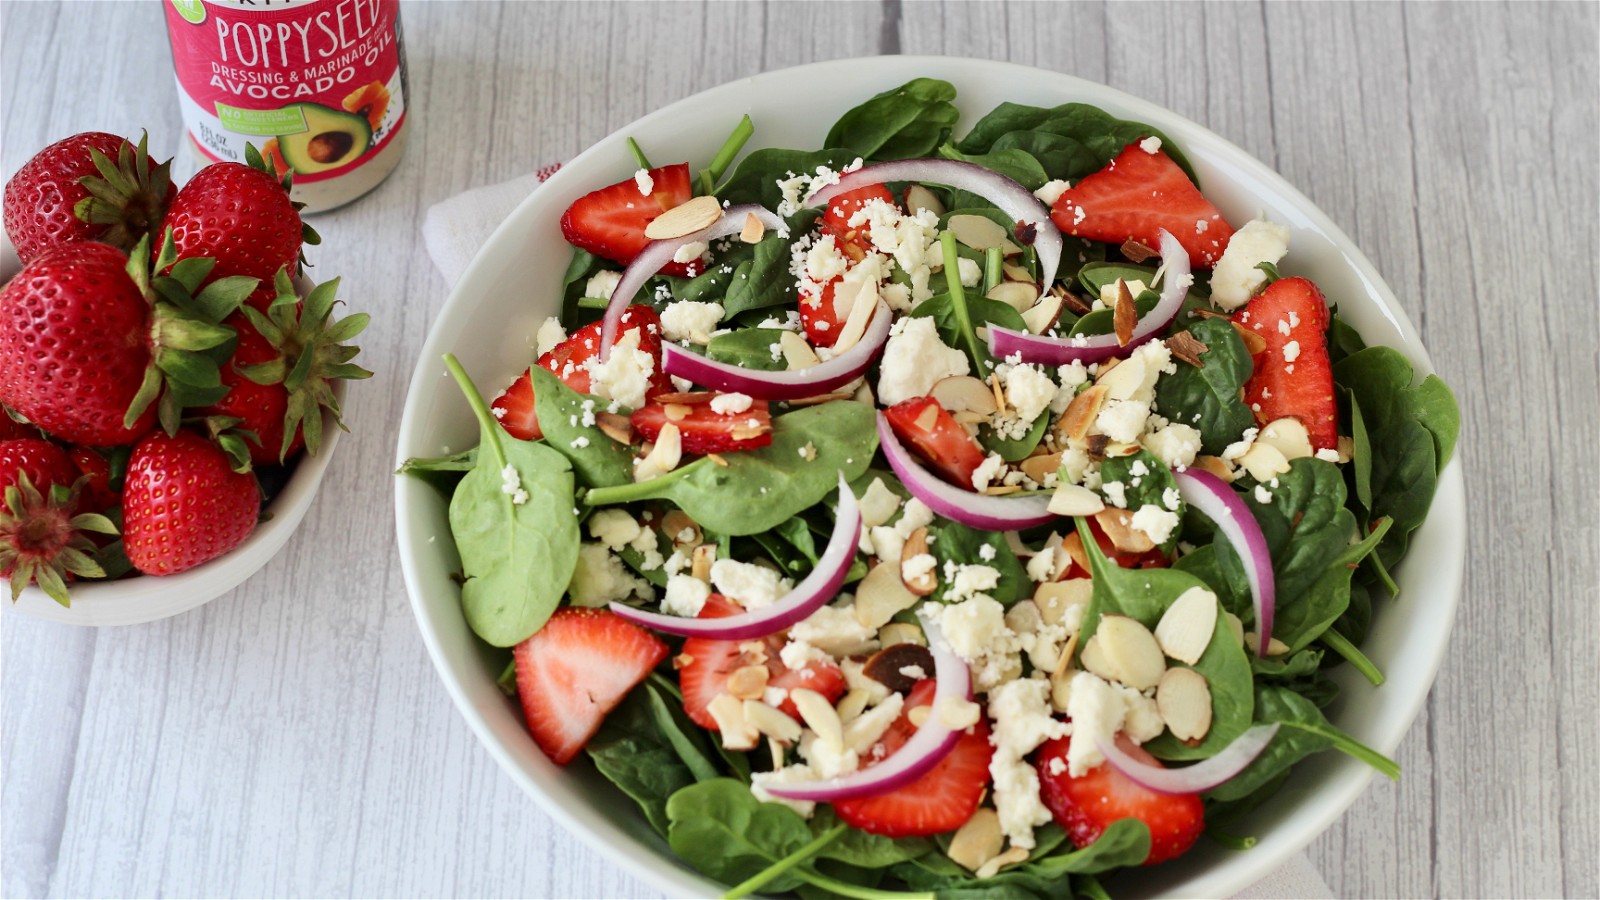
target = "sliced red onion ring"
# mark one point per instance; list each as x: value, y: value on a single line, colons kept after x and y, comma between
x: 658, y: 253
x: 816, y: 590
x: 932, y: 742
x: 1092, y: 348
x: 788, y: 385
x: 1228, y: 511
x: 955, y: 503
x: 1202, y: 776
x: 1013, y: 199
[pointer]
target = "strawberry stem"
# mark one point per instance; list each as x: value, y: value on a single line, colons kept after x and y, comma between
x: 488, y: 427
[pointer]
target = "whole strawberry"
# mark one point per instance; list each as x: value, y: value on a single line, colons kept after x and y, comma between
x: 89, y: 187
x: 42, y: 538
x: 182, y: 504
x: 242, y: 217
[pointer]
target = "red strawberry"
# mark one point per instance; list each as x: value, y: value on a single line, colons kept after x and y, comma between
x: 610, y: 222
x: 820, y: 317
x: 43, y: 199
x: 182, y: 504
x: 575, y: 670
x: 42, y: 538
x: 703, y: 429
x: 706, y: 663
x: 260, y: 407
x: 1135, y: 196
x: 1291, y: 311
x: 42, y: 462
x: 1079, y: 567
x: 937, y: 437
x: 240, y: 216
x: 567, y: 361
x: 943, y: 799
x: 853, y: 240
x: 97, y: 490
x: 1085, y: 806
x: 11, y: 429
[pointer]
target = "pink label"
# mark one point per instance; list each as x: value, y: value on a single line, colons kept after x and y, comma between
x: 318, y: 86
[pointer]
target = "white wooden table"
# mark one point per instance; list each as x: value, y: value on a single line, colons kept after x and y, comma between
x: 291, y: 738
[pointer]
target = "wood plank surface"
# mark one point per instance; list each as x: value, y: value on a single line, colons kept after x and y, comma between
x: 292, y: 738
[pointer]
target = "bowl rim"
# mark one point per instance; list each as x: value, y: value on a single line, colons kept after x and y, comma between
x: 1446, y: 521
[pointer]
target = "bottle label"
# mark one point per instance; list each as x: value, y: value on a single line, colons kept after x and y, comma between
x: 318, y: 86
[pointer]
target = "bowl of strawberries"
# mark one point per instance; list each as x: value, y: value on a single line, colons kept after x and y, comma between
x: 171, y: 384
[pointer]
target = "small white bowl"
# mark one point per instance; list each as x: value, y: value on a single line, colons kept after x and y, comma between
x: 513, y: 284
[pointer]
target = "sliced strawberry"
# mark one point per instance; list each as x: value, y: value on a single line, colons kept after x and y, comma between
x: 575, y: 670
x: 1085, y: 806
x: 704, y: 430
x: 1292, y: 318
x: 1135, y: 196
x: 943, y: 799
x: 610, y: 222
x: 938, y: 438
x: 514, y: 409
x: 853, y: 240
x: 705, y: 664
x: 820, y: 316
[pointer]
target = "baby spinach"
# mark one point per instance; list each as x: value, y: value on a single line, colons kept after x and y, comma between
x: 643, y: 759
x: 517, y: 558
x: 763, y: 280
x: 1303, y: 731
x: 1145, y: 479
x: 443, y: 472
x: 1343, y: 340
x: 755, y: 179
x: 953, y: 542
x: 1014, y: 163
x: 903, y: 123
x: 863, y: 848
x: 1211, y: 392
x: 580, y: 269
x: 598, y: 460
x: 1015, y: 449
x: 1085, y: 137
x: 750, y: 348
x: 722, y: 830
x: 1046, y: 872
x: 758, y: 489
x: 980, y: 311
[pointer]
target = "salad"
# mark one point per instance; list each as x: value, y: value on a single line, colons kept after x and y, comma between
x: 920, y: 515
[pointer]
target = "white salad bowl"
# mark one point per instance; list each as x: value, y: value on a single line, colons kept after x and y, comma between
x: 514, y: 283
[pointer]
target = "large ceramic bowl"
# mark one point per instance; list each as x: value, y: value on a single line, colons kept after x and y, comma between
x: 513, y: 284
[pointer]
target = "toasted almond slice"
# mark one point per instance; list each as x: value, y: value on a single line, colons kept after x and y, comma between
x: 977, y: 232
x: 1039, y: 467
x: 796, y: 352
x: 745, y: 429
x: 963, y: 393
x: 1235, y: 627
x: 753, y: 229
x: 1017, y: 273
x: 1061, y: 676
x: 1072, y: 545
x: 1000, y: 490
x: 748, y: 682
x: 852, y: 704
x: 771, y: 721
x: 676, y: 412
x: 957, y: 713
x: 861, y: 311
x: 926, y: 419
x: 1254, y: 343
x: 1009, y: 858
x: 1129, y: 650
x: 615, y: 426
x: 881, y: 594
x: 1264, y: 462
x: 968, y: 417
x: 1184, y: 701
x: 1125, y: 380
x: 1188, y: 348
x: 1043, y: 314
x: 1081, y: 413
x: 1094, y: 659
x: 1137, y: 252
x: 901, y: 633
x: 1118, y: 526
x: 977, y: 841
x: 684, y: 219
x: 818, y: 400
x: 922, y: 583
x: 919, y: 198
x: 919, y: 715
x: 998, y: 388
x: 1185, y: 629
x: 1345, y: 447
x: 1055, y: 598
x: 681, y: 529
x: 737, y: 732
x: 700, y: 561
x: 1275, y: 647
x: 1019, y: 295
x: 1288, y: 436
x: 819, y: 714
x: 1124, y: 317
x: 864, y: 730
x: 1075, y: 500
x: 1215, y: 466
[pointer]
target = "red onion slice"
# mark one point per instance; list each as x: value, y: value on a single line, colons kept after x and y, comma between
x: 1092, y: 348
x: 932, y: 742
x: 957, y: 504
x: 1228, y: 511
x: 1016, y: 201
x: 658, y: 253
x: 1202, y: 776
x: 817, y: 589
x: 788, y: 385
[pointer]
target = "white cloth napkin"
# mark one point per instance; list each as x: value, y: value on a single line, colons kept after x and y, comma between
x: 453, y: 231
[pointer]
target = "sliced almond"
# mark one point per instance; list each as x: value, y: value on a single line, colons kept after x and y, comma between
x: 700, y: 561
x: 1072, y: 545
x: 923, y: 583
x: 861, y: 311
x: 968, y: 417
x: 1039, y: 467
x: 615, y: 426
x: 919, y: 715
x: 796, y: 352
x: 852, y: 704
x: 1184, y: 701
x: 1127, y: 653
x: 1346, y: 448
x: 926, y: 419
x: 998, y: 388
x: 963, y: 393
x: 1081, y: 413
x: 1043, y: 314
x: 1137, y: 252
x: 1009, y: 858
x: 1186, y: 347
x: 1061, y: 676
x: 681, y: 529
x: 1185, y: 629
x: 745, y: 429
x: 900, y: 667
x: 977, y: 232
x: 957, y: 713
x: 901, y: 633
x: 737, y: 732
x: 1124, y: 316
x: 919, y: 198
x: 1075, y: 500
x: 684, y: 219
x: 978, y: 841
x: 1275, y: 647
x: 1023, y: 618
x: 1118, y: 526
x: 1235, y: 627
x: 1253, y: 343
x: 771, y: 721
x: 676, y: 412
x: 1000, y: 490
x: 864, y: 730
x: 1215, y: 466
x: 819, y: 715
x: 1288, y: 436
x: 1019, y: 295
x: 1017, y: 273
x: 1264, y: 462
x: 881, y: 594
x: 1055, y: 598
x: 748, y: 682
x: 817, y: 400
x: 753, y: 229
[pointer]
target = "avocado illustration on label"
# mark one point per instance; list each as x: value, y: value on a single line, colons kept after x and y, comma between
x: 332, y: 139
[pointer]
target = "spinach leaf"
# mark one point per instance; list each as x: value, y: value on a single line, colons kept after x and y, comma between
x: 982, y: 310
x: 763, y: 280
x: 755, y: 179
x: 598, y: 460
x: 443, y: 472
x: 861, y: 848
x: 953, y: 542
x: 648, y: 756
x: 1227, y: 583
x: 749, y: 348
x: 1089, y: 137
x: 722, y: 830
x: 1305, y: 523
x: 1304, y: 731
x: 1044, y: 874
x: 758, y: 489
x: 903, y: 123
x: 580, y: 269
x: 517, y: 557
x: 1343, y: 340
x: 1145, y: 594
x: 1015, y: 449
x: 1014, y: 163
x: 1145, y: 480
x: 1212, y: 391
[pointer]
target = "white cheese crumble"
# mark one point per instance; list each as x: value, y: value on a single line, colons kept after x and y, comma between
x: 613, y: 528
x: 914, y: 360
x: 602, y: 284
x: 1235, y: 278
x: 625, y: 376
x: 1155, y: 522
x: 1022, y: 719
x: 647, y: 185
x: 690, y: 252
x: 511, y: 485
x: 1052, y: 191
x: 685, y: 596
x: 600, y: 578
x: 549, y: 337
x: 752, y: 586
x: 690, y: 320
x: 730, y: 404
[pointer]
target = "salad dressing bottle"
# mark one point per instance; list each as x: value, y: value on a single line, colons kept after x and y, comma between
x: 317, y: 86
